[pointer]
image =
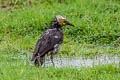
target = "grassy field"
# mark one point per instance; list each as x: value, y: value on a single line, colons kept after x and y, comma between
x: 96, y: 31
x: 17, y: 67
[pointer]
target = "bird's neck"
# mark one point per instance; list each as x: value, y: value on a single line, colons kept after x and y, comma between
x: 55, y: 24
x: 52, y: 27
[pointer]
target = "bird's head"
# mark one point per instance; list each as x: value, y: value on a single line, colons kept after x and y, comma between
x: 62, y: 21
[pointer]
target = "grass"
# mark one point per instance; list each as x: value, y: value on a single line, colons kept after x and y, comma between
x: 68, y: 48
x: 33, y: 73
x: 96, y: 31
x: 96, y: 28
x: 16, y: 66
x: 95, y: 21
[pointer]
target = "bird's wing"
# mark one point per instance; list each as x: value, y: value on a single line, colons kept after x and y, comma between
x: 47, y: 41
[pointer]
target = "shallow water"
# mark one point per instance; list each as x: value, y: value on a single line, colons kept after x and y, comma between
x: 80, y: 62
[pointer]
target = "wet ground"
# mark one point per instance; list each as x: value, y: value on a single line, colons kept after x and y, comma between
x: 80, y: 62
x: 62, y: 61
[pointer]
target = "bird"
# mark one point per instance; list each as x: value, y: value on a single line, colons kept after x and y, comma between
x: 49, y: 42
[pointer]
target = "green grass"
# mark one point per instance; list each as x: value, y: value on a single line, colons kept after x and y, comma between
x: 16, y: 66
x: 68, y: 48
x: 96, y: 21
x: 33, y: 73
x: 96, y: 30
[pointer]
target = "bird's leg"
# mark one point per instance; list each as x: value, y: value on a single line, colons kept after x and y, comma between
x: 36, y: 62
x: 51, y: 57
x: 42, y: 60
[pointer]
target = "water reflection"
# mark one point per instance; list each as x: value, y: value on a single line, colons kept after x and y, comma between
x: 80, y: 62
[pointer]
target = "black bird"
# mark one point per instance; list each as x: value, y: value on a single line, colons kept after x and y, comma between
x: 50, y: 41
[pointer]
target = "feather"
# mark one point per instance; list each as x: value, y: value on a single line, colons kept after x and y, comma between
x: 47, y: 41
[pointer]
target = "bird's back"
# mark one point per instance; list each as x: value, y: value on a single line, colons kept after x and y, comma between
x: 47, y: 41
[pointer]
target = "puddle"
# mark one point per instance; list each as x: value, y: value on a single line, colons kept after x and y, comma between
x: 68, y: 61
x: 80, y: 62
